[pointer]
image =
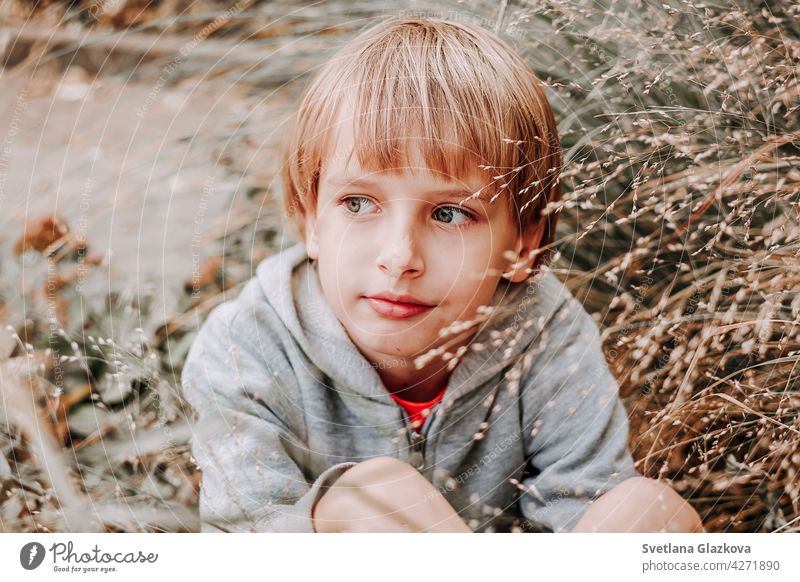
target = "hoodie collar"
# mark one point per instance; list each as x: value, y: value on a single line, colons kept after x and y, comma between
x: 290, y: 283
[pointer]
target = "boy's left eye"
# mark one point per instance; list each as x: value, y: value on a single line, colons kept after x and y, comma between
x: 450, y: 211
x: 446, y: 214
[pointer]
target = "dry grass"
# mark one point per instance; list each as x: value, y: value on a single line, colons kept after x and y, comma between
x: 679, y: 228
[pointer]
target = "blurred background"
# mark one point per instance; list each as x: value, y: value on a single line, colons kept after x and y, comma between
x: 138, y: 190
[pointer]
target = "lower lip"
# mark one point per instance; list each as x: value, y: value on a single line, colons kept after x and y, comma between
x: 396, y: 310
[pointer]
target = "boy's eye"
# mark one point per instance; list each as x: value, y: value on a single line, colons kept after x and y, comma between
x: 353, y: 203
x: 446, y: 214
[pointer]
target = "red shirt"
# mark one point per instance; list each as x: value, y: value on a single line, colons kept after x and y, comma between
x: 415, y: 409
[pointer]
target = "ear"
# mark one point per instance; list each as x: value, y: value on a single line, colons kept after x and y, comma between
x: 312, y: 240
x: 529, y: 240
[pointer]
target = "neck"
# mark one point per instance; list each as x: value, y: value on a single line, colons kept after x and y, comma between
x: 400, y: 376
x: 403, y: 379
x: 419, y: 385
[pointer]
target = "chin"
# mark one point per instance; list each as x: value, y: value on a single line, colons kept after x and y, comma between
x: 390, y: 345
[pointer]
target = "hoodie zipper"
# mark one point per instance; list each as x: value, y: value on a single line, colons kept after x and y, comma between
x: 417, y: 441
x: 417, y: 456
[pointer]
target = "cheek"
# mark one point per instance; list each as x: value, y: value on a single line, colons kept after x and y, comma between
x: 469, y: 271
x: 469, y: 258
x: 463, y: 277
x: 342, y: 263
x: 337, y: 239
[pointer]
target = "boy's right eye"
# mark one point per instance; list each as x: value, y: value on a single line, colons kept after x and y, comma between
x: 354, y: 203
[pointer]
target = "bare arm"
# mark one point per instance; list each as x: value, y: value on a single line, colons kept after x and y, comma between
x: 384, y: 494
x: 640, y: 504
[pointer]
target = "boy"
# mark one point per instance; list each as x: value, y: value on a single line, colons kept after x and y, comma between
x: 412, y: 364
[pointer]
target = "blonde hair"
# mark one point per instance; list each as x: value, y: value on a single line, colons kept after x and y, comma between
x: 472, y: 98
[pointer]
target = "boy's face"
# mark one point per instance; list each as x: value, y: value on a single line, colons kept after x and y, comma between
x: 403, y: 235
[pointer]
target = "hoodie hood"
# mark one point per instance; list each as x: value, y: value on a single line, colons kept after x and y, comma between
x: 290, y: 283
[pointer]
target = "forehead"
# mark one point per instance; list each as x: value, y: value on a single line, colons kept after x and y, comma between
x: 341, y: 163
x: 390, y: 145
x: 350, y: 171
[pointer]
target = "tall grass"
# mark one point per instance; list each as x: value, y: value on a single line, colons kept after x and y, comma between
x: 680, y: 230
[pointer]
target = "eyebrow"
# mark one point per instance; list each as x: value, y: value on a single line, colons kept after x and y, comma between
x: 347, y: 181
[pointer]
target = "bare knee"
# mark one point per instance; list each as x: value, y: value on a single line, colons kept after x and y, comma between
x: 378, y: 470
x: 661, y: 507
x: 383, y: 494
x: 349, y: 497
x: 385, y: 462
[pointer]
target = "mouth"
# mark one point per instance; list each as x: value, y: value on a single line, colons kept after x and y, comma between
x: 396, y: 309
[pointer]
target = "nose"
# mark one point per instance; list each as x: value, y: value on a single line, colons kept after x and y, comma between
x: 400, y: 257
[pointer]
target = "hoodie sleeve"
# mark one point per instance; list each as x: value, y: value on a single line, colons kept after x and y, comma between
x: 577, y: 426
x: 235, y: 379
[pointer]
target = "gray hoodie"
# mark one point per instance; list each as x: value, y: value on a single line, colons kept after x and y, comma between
x: 530, y: 429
